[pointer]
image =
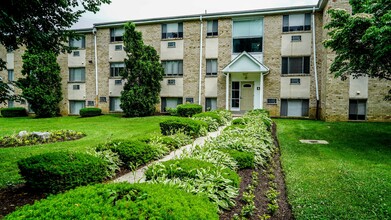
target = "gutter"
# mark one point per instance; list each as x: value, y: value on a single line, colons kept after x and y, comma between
x: 200, y: 73
x: 315, y: 67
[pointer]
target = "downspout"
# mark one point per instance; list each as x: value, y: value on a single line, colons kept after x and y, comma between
x: 315, y: 68
x: 96, y: 68
x: 200, y: 73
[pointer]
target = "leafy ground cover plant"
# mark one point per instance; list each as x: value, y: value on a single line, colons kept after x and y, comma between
x: 213, y: 125
x: 121, y: 201
x: 214, y: 115
x: 188, y: 126
x: 243, y: 159
x: 33, y: 138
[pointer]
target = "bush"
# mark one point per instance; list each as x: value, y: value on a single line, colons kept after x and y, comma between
x: 59, y: 171
x: 227, y: 115
x: 243, y: 159
x: 186, y: 125
x: 133, y: 153
x: 13, y: 112
x: 90, y: 112
x: 213, y: 125
x: 176, y: 141
x: 239, y: 121
x: 121, y: 201
x: 188, y: 110
x: 213, y: 115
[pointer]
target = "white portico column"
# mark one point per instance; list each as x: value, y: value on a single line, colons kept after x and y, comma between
x: 227, y: 91
x: 261, y: 91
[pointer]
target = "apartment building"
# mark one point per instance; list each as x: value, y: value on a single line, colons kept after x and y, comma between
x: 272, y: 59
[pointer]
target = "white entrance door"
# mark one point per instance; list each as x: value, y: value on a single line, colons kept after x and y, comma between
x: 247, y: 96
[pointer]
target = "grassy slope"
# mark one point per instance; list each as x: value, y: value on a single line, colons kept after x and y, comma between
x: 348, y: 179
x: 98, y: 129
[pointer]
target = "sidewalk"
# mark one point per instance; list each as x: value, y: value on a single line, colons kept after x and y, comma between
x: 138, y: 175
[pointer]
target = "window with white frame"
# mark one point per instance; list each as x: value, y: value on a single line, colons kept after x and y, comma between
x: 357, y: 109
x: 210, y: 104
x: 170, y: 102
x: 77, y: 74
x: 211, y: 67
x: 78, y: 42
x: 295, y: 65
x: 75, y: 106
x: 115, y: 104
x: 173, y: 67
x: 172, y: 30
x: 247, y: 35
x: 116, y: 69
x: 294, y: 107
x: 235, y: 95
x: 296, y: 22
x: 116, y: 34
x: 212, y: 28
x: 11, y: 76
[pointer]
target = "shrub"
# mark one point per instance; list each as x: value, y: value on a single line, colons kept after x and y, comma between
x: 59, y: 171
x: 90, y: 112
x: 213, y: 125
x: 227, y: 115
x: 243, y: 159
x: 112, y: 160
x: 176, y: 141
x: 213, y: 115
x: 133, y: 153
x: 121, y: 201
x: 188, y: 110
x: 186, y: 125
x: 239, y: 121
x: 172, y: 111
x: 13, y: 112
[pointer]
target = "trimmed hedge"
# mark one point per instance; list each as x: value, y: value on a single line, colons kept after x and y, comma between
x: 90, y: 112
x: 59, y: 171
x: 121, y: 201
x: 13, y: 112
x: 243, y: 159
x: 213, y: 115
x: 188, y: 110
x: 133, y: 153
x: 188, y: 126
x: 182, y: 168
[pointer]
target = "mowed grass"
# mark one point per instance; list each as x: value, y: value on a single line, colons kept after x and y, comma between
x: 98, y: 130
x: 350, y: 178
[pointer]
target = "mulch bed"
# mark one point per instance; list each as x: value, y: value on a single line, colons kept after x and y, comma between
x: 20, y: 195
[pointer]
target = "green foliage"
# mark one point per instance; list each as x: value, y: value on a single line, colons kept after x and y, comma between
x: 213, y: 125
x: 188, y: 126
x: 143, y: 73
x: 41, y: 86
x: 188, y: 109
x: 90, y: 112
x: 227, y: 115
x: 41, y: 24
x: 121, y: 201
x: 243, y: 159
x: 172, y: 111
x: 59, y: 171
x: 362, y: 40
x: 31, y: 138
x: 5, y: 91
x: 112, y: 160
x: 239, y: 121
x: 177, y: 140
x: 213, y: 115
x: 13, y: 112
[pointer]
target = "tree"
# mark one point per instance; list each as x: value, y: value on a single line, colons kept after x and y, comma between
x: 5, y: 92
x: 41, y: 23
x: 41, y: 86
x: 361, y: 41
x: 143, y: 73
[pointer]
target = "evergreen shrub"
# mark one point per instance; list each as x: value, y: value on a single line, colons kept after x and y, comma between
x: 188, y: 110
x: 188, y: 126
x: 90, y: 112
x: 13, y: 112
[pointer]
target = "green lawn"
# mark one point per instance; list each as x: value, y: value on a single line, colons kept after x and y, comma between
x: 350, y: 178
x: 98, y: 129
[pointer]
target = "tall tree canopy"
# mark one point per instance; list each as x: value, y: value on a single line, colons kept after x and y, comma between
x: 362, y: 41
x: 41, y: 23
x: 5, y: 92
x: 143, y: 73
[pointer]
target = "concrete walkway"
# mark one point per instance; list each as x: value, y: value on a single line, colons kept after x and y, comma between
x: 138, y: 175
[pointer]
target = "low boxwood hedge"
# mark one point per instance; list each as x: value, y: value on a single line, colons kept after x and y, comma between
x: 188, y: 110
x: 188, y: 126
x: 13, y: 112
x: 243, y: 159
x: 121, y: 201
x: 59, y: 171
x: 90, y: 112
x: 213, y: 115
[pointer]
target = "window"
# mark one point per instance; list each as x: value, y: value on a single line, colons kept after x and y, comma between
x: 78, y: 43
x: 357, y: 109
x: 10, y: 103
x: 115, y: 104
x: 247, y: 35
x: 170, y: 103
x: 210, y: 104
x: 212, y: 29
x: 189, y: 100
x: 271, y: 101
x: 75, y: 106
x: 171, y: 44
x: 294, y: 107
x: 76, y: 53
x: 11, y: 75
x: 118, y: 47
x: 296, y: 38
x: 211, y: 67
x: 171, y: 82
x: 173, y: 67
x: 77, y: 75
x: 172, y: 30
x: 90, y: 103
x: 116, y: 34
x: 118, y: 82
x: 295, y: 65
x: 102, y: 99
x: 116, y: 69
x: 295, y: 81
x: 296, y: 22
x: 76, y: 87
x: 235, y: 96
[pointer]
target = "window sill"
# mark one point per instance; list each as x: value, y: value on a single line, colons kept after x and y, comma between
x: 170, y: 39
x: 211, y: 76
x: 69, y: 82
x: 172, y: 76
x: 212, y: 36
x: 295, y: 74
x: 296, y: 32
x: 115, y: 77
x: 116, y: 42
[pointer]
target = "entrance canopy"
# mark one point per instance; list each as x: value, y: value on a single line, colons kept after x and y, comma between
x: 245, y: 63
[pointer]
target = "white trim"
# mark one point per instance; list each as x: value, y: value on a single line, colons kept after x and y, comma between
x: 262, y: 67
x: 227, y: 103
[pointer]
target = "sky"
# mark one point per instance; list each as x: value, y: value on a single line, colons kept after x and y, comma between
x: 122, y: 10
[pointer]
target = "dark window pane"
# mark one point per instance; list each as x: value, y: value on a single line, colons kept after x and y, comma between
x: 247, y: 44
x: 284, y: 66
x: 306, y: 65
x: 295, y: 64
x: 285, y: 23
